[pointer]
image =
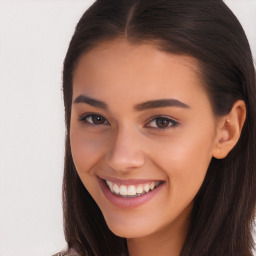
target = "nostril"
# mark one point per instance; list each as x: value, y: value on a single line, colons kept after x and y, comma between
x: 125, y: 150
x: 124, y: 159
x: 125, y: 163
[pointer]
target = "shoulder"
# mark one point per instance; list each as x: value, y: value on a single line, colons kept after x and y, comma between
x: 69, y: 252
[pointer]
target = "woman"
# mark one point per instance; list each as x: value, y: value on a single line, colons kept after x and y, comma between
x: 160, y: 117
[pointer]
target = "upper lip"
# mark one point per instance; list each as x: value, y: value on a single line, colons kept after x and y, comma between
x: 129, y: 181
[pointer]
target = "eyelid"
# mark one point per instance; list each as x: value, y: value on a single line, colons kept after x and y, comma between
x: 84, y: 116
x: 173, y: 121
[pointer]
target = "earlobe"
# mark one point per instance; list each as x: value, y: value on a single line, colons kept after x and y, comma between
x: 229, y: 129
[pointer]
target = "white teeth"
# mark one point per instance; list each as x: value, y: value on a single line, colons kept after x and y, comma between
x: 123, y: 190
x: 139, y: 189
x: 110, y: 184
x: 131, y: 190
x: 146, y: 187
x: 116, y: 189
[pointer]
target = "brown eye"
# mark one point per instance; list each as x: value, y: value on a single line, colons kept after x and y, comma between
x: 94, y: 119
x: 162, y: 123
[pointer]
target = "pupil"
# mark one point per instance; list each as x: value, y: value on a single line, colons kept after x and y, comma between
x: 162, y: 123
x: 98, y: 119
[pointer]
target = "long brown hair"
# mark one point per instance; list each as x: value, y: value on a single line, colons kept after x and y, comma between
x: 224, y: 208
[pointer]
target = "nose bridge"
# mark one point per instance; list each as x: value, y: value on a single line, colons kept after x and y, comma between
x: 126, y: 149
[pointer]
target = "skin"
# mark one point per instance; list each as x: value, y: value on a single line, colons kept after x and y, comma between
x: 130, y: 144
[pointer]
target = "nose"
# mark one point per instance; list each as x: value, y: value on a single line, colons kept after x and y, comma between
x: 126, y: 151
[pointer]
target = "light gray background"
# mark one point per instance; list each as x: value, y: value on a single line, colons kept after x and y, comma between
x: 34, y: 37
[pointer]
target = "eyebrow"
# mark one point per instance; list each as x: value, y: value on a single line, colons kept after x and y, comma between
x: 90, y: 101
x: 139, y: 107
x: 160, y: 104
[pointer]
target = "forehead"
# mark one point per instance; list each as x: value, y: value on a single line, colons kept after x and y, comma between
x: 136, y: 72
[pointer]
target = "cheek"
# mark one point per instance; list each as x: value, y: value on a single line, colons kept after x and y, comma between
x: 185, y: 160
x: 86, y: 149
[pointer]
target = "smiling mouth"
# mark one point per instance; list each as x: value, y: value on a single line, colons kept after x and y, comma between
x: 129, y: 191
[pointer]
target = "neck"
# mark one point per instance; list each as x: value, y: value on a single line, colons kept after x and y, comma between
x: 167, y: 241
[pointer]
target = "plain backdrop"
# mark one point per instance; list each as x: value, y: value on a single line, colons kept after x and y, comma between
x: 34, y: 36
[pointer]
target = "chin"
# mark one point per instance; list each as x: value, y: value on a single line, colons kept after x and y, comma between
x: 130, y: 232
x: 129, y: 228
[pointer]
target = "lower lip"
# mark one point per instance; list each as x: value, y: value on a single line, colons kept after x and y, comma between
x: 127, y: 202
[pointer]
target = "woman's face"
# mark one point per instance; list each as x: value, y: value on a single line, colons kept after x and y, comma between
x: 142, y: 122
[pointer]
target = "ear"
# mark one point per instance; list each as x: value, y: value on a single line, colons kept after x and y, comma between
x: 229, y: 129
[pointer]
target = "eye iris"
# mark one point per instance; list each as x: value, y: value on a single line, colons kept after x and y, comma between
x: 98, y: 119
x: 162, y: 123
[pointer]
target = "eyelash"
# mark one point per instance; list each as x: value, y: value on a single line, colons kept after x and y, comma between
x: 84, y: 118
x: 171, y: 122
